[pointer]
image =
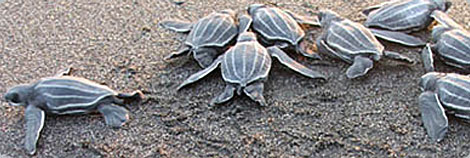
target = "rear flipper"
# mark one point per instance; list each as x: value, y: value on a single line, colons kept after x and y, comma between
x: 183, y: 51
x: 205, y: 56
x: 177, y: 26
x: 445, y: 20
x: 136, y: 96
x: 398, y: 56
x: 433, y: 116
x: 398, y: 37
x: 305, y: 51
x: 255, y: 92
x: 360, y: 67
x: 115, y: 116
x: 292, y: 64
x: 225, y: 96
x: 304, y: 20
x: 428, y: 60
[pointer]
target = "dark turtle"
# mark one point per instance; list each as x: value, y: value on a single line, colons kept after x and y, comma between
x: 352, y: 42
x: 447, y: 91
x: 207, y: 38
x: 62, y: 95
x: 246, y: 65
x: 391, y: 19
x: 281, y: 28
x: 451, y: 44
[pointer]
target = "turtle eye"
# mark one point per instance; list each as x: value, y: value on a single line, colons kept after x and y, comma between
x: 13, y: 98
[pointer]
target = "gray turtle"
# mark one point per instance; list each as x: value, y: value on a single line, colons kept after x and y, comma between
x: 208, y: 37
x: 246, y: 65
x: 392, y: 20
x: 351, y: 42
x: 62, y: 95
x: 281, y: 28
x: 443, y: 92
x: 451, y: 44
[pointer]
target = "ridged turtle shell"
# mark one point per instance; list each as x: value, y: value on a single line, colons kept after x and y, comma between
x: 454, y: 93
x: 349, y: 39
x: 454, y: 47
x: 402, y: 15
x: 216, y: 30
x: 274, y: 24
x: 246, y: 62
x: 69, y: 95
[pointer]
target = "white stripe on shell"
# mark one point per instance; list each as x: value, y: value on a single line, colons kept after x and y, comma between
x: 78, y: 105
x: 274, y: 22
x: 454, y: 106
x: 67, y: 96
x: 268, y: 36
x: 217, y: 27
x: 70, y: 88
x: 254, y: 62
x: 244, y: 61
x: 458, y: 51
x: 234, y: 69
x: 227, y: 40
x: 404, y: 10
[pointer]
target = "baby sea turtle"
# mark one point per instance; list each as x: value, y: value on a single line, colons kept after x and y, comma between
x: 62, y: 95
x: 447, y: 91
x: 451, y: 44
x: 246, y: 65
x: 207, y: 38
x: 389, y: 20
x: 351, y: 42
x: 281, y: 28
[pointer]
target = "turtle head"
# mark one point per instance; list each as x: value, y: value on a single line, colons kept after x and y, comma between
x: 17, y: 96
x: 252, y: 8
x: 246, y: 37
x: 327, y: 16
x: 229, y: 12
x: 428, y: 81
x: 437, y: 31
x: 443, y: 5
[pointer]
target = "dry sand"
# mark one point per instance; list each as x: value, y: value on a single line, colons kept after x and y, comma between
x: 118, y: 43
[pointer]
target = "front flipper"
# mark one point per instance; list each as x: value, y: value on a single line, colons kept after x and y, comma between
x: 370, y: 9
x: 445, y: 20
x: 292, y: 64
x: 433, y: 116
x: 428, y: 60
x: 225, y: 96
x: 360, y: 67
x: 244, y: 23
x: 255, y: 92
x: 205, y: 56
x: 184, y: 50
x: 197, y: 76
x: 398, y: 37
x: 177, y: 26
x: 398, y: 56
x: 115, y: 116
x: 34, y: 122
x: 304, y: 20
